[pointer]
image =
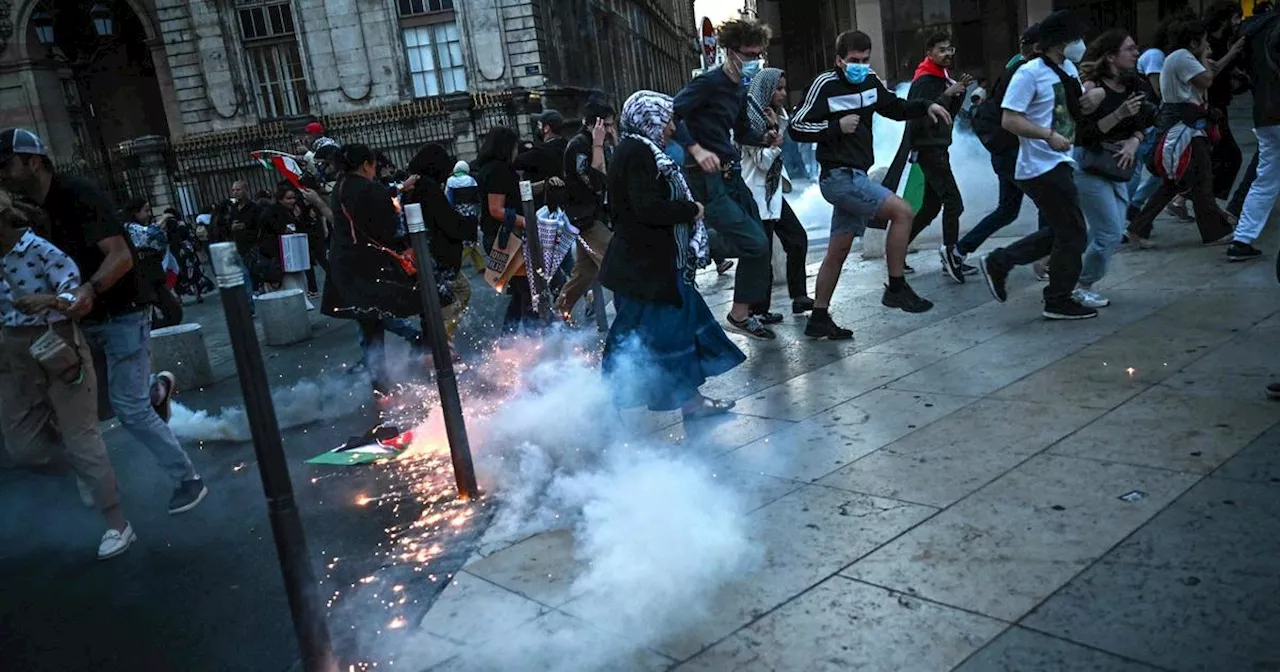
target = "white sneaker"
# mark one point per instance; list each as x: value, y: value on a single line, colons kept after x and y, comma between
x: 114, y: 542
x: 1089, y: 298
x: 1041, y: 269
x: 86, y: 494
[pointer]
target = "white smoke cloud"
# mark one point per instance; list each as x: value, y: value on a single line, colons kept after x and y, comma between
x: 305, y: 402
x: 656, y: 533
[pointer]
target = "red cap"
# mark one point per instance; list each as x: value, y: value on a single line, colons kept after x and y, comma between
x: 315, y: 128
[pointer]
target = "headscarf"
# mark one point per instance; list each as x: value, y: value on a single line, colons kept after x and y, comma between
x: 644, y: 117
x: 759, y: 98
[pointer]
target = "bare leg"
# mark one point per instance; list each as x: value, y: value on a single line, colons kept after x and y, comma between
x: 832, y: 263
x: 898, y: 235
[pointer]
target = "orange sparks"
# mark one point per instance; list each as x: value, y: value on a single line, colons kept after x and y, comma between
x: 361, y: 500
x: 396, y: 623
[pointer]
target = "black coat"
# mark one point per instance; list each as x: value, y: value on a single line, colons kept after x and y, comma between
x: 365, y: 281
x: 449, y: 230
x: 641, y: 260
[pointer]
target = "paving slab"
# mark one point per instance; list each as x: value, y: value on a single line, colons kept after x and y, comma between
x: 813, y: 448
x: 807, y: 536
x: 1163, y: 428
x: 1021, y: 650
x: 809, y: 394
x: 1193, y: 590
x: 1007, y: 547
x: 844, y: 625
x: 939, y: 464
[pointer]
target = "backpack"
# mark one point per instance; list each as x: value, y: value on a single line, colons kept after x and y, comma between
x: 988, y: 116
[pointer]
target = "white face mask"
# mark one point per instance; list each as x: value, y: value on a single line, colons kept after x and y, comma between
x: 1074, y: 51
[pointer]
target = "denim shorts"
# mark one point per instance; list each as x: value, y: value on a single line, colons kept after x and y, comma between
x: 854, y: 197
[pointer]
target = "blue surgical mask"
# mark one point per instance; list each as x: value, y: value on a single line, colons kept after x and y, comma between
x: 750, y: 69
x: 1074, y: 51
x: 856, y: 72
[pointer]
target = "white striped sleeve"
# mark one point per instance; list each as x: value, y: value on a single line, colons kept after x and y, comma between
x: 810, y: 118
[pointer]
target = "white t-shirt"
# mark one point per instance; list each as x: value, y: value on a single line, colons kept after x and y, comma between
x: 1151, y: 62
x: 1036, y: 91
x: 1175, y: 80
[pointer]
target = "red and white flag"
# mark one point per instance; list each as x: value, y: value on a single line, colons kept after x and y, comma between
x: 283, y: 163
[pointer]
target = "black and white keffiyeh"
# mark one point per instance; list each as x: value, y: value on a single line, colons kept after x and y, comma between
x: 644, y: 117
x: 759, y: 98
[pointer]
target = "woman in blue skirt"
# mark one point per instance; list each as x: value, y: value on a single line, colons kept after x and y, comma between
x: 665, y: 342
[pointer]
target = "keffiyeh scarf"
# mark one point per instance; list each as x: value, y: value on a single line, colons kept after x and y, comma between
x: 760, y: 97
x: 644, y: 116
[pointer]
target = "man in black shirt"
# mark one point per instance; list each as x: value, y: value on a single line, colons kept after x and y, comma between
x: 837, y: 114
x: 113, y: 304
x: 932, y: 143
x: 235, y: 220
x: 712, y: 113
x: 545, y: 159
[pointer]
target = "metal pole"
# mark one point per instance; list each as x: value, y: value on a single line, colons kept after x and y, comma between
x: 455, y: 426
x: 597, y: 294
x: 300, y: 585
x: 534, y: 266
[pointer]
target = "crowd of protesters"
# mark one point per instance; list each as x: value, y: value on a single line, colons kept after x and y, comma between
x: 1101, y: 136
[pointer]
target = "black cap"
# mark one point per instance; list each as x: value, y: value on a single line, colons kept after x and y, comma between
x: 1031, y: 35
x: 551, y: 118
x: 1060, y: 27
x: 20, y: 141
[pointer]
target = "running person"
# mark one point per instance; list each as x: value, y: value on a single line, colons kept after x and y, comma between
x: 836, y: 114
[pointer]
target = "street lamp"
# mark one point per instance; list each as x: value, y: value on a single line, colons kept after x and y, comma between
x: 103, y: 22
x: 43, y: 23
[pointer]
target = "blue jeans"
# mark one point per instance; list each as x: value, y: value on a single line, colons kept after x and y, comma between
x: 1104, y: 204
x: 126, y: 340
x: 1141, y: 187
x: 1007, y: 208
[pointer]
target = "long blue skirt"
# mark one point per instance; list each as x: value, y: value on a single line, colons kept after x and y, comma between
x: 658, y: 355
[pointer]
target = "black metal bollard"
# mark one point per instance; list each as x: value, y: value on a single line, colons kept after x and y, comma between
x: 455, y: 426
x: 533, y: 266
x: 305, y: 602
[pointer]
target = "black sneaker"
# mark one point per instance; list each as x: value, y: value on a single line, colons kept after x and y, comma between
x: 1238, y: 251
x: 995, y: 278
x: 723, y: 267
x: 803, y: 304
x: 824, y: 327
x: 905, y: 299
x: 750, y: 327
x: 952, y: 264
x: 907, y: 270
x: 187, y: 496
x: 769, y: 318
x: 1068, y: 309
x: 1273, y: 391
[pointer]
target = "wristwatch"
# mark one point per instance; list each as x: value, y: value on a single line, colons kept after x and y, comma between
x: 67, y: 297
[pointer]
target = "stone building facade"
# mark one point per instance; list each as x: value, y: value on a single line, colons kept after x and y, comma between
x: 206, y: 81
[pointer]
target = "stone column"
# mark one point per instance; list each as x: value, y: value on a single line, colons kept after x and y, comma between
x: 151, y: 152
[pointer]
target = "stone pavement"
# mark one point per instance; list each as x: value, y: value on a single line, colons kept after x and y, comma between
x: 975, y: 488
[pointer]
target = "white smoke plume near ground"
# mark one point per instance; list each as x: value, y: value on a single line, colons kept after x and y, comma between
x: 307, y: 401
x: 970, y: 163
x: 656, y: 532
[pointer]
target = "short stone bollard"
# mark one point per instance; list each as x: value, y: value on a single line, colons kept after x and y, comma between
x: 180, y: 349
x: 284, y: 316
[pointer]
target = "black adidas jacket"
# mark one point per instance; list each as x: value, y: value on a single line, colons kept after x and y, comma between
x: 832, y: 97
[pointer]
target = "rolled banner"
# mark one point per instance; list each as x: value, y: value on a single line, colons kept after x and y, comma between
x: 413, y: 218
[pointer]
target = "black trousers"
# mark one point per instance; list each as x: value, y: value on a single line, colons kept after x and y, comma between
x: 940, y: 194
x: 1197, y: 182
x: 1227, y: 160
x: 795, y: 244
x: 373, y: 342
x: 170, y: 307
x: 1054, y: 193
